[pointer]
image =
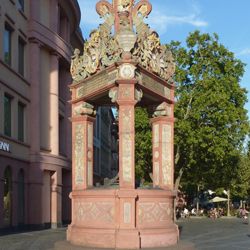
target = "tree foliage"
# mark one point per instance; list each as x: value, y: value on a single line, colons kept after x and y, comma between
x: 211, y: 120
x: 143, y: 144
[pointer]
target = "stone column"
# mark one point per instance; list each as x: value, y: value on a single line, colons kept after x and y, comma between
x: 35, y: 178
x: 54, y: 104
x: 82, y: 150
x: 163, y: 147
x: 56, y: 199
x: 126, y: 102
x: 126, y: 96
x: 35, y: 96
x: 68, y: 126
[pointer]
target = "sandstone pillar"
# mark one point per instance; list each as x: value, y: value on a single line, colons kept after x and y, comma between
x: 54, y: 104
x: 56, y: 199
x: 126, y: 102
x: 163, y: 147
x: 35, y: 179
x: 35, y: 96
x: 82, y: 150
x: 127, y: 235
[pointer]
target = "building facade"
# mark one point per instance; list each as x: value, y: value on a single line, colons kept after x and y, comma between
x: 36, y: 40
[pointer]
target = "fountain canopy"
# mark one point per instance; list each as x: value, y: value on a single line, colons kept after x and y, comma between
x: 123, y: 64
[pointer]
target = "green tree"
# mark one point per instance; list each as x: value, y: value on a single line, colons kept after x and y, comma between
x: 241, y: 182
x: 211, y: 120
x: 143, y: 144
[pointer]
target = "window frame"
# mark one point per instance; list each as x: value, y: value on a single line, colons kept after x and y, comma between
x: 21, y: 5
x: 9, y: 29
x: 21, y: 61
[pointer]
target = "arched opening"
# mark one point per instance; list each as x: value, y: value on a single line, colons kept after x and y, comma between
x: 21, y: 197
x: 7, y: 200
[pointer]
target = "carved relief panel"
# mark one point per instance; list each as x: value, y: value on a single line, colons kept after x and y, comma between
x: 79, y: 150
x: 154, y: 212
x: 126, y: 138
x: 92, y: 212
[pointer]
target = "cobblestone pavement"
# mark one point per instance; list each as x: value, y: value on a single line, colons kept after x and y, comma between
x: 195, y: 233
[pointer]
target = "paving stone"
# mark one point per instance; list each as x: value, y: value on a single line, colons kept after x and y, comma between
x: 195, y: 234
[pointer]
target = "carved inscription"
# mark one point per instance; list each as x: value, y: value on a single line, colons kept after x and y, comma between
x: 127, y: 212
x: 96, y: 83
x: 94, y: 211
x: 151, y: 212
x: 126, y: 145
x: 79, y: 154
x: 155, y: 86
x: 166, y: 154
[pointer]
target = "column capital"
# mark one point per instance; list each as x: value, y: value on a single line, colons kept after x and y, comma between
x: 33, y: 40
x: 164, y: 119
x: 83, y: 109
x: 55, y: 54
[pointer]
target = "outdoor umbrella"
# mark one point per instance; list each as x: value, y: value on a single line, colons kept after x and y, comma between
x: 217, y: 199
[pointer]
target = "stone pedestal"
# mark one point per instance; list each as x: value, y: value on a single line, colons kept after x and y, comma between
x: 119, y: 219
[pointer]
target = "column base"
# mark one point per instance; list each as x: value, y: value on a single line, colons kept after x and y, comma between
x: 127, y: 239
x: 123, y: 239
x: 88, y: 237
x: 55, y: 225
x: 152, y: 238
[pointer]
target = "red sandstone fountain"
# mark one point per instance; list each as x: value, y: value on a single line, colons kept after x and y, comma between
x: 128, y: 68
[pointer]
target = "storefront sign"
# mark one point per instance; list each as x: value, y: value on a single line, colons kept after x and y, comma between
x: 4, y: 146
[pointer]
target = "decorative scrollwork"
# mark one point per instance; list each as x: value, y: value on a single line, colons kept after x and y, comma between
x: 100, y: 51
x: 103, y: 49
x: 154, y: 56
x: 124, y: 5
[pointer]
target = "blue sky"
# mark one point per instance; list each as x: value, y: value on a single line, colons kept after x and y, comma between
x: 174, y: 19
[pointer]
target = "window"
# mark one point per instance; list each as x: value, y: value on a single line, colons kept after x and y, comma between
x: 21, y: 47
x: 7, y: 44
x: 7, y: 115
x: 21, y: 5
x: 21, y: 110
